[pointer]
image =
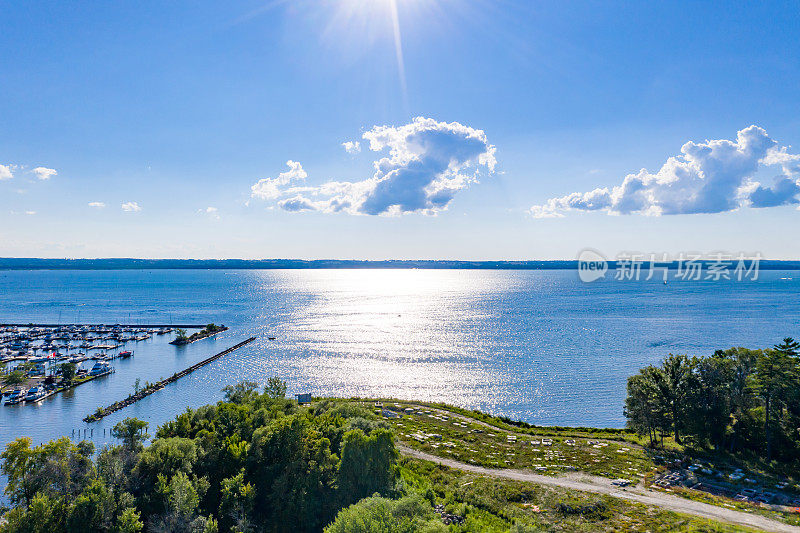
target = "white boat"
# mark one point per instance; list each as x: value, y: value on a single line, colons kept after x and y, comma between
x: 35, y: 394
x: 100, y: 368
x: 17, y: 396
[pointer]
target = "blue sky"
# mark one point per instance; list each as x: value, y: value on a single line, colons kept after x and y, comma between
x: 160, y: 111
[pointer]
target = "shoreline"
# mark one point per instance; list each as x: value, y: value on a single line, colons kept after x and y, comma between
x: 32, y: 264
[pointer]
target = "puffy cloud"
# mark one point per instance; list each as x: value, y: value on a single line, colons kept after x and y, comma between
x: 131, y: 207
x: 789, y: 162
x: 97, y: 205
x: 297, y: 203
x: 352, y: 147
x: 212, y: 212
x: 44, y: 173
x: 783, y: 192
x: 6, y: 172
x: 272, y: 188
x: 710, y: 177
x: 428, y: 162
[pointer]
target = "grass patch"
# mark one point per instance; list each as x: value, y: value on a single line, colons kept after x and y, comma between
x: 548, y: 453
x: 493, y: 505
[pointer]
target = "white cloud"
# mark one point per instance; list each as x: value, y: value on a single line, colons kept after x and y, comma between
x: 212, y: 212
x: 30, y: 212
x: 44, y: 173
x: 352, y: 147
x: 270, y: 188
x: 710, y: 177
x: 427, y: 164
x: 6, y: 172
x: 131, y: 207
x: 97, y: 205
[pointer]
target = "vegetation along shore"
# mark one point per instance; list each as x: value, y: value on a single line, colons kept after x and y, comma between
x: 208, y: 331
x: 700, y: 454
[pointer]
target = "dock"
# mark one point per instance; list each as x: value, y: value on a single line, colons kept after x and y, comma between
x: 95, y: 324
x: 133, y: 398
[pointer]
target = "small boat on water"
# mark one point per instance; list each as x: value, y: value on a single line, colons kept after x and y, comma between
x: 35, y: 394
x: 126, y: 353
x: 100, y: 368
x: 16, y: 396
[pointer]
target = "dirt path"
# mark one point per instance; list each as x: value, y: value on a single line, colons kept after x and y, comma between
x: 586, y: 483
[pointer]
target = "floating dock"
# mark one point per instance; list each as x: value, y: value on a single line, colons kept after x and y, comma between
x: 116, y: 406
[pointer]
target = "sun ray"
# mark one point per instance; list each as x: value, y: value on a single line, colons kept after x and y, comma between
x: 398, y: 50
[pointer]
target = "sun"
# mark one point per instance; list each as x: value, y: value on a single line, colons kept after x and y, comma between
x: 373, y: 14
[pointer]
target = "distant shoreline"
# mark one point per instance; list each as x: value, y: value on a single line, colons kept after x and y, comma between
x: 300, y: 264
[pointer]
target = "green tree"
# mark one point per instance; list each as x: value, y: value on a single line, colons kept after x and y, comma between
x: 241, y: 393
x: 643, y: 409
x: 166, y: 457
x: 43, y: 515
x: 15, y: 467
x: 131, y: 432
x: 129, y: 521
x: 56, y: 468
x: 68, y: 372
x: 789, y: 347
x: 93, y: 510
x: 411, y: 514
x: 181, y: 501
x: 675, y: 383
x: 293, y: 471
x: 773, y: 374
x: 15, y: 377
x: 236, y: 503
x: 711, y: 400
x: 275, y: 388
x: 368, y: 465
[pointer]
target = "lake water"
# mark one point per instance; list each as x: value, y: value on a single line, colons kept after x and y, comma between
x: 540, y: 346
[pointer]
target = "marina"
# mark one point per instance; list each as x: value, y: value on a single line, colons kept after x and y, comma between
x: 38, y: 361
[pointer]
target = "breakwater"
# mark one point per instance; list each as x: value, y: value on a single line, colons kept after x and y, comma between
x: 116, y: 406
x: 200, y: 335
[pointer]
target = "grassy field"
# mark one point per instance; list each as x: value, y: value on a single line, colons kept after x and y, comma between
x: 476, y: 438
x: 435, y: 431
x: 490, y: 505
